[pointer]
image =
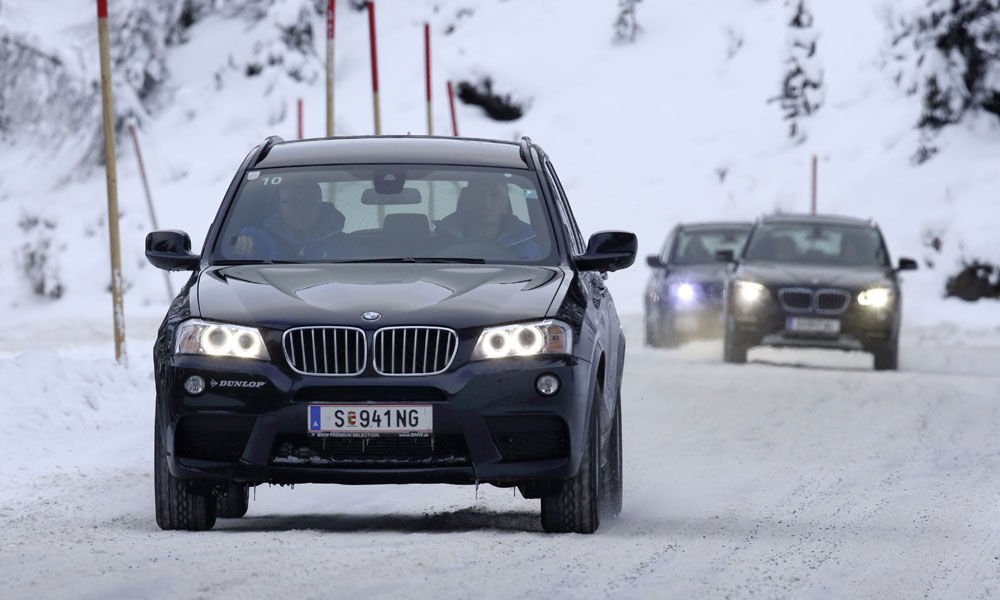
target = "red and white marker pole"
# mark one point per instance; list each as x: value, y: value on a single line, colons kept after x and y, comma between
x: 298, y: 118
x: 330, y: 11
x: 149, y: 201
x: 118, y: 309
x: 427, y: 76
x: 815, y: 178
x: 451, y: 106
x: 371, y: 38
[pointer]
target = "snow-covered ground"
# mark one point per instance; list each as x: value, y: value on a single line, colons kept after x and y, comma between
x: 799, y: 475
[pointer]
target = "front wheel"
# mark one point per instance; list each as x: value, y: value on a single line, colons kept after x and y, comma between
x: 734, y: 350
x: 575, y: 508
x: 613, y: 475
x: 177, y: 504
x: 887, y: 358
x: 233, y: 502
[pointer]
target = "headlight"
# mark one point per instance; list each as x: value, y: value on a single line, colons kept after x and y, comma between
x: 749, y: 292
x: 875, y: 297
x: 524, y: 339
x: 683, y: 291
x: 219, y: 339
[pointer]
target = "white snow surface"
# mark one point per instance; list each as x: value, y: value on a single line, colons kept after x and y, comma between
x: 801, y: 475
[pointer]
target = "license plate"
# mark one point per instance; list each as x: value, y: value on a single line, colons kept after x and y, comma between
x: 804, y: 325
x: 370, y: 420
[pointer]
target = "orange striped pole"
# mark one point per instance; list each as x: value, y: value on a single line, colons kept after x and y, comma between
x: 118, y: 309
x: 427, y: 76
x: 330, y: 10
x: 451, y: 104
x: 371, y: 38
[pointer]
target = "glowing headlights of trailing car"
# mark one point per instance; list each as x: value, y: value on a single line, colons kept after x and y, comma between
x: 749, y: 292
x: 218, y: 339
x: 524, y: 339
x: 682, y: 290
x: 878, y: 297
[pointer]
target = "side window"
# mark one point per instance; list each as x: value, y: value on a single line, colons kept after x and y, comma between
x: 565, y: 213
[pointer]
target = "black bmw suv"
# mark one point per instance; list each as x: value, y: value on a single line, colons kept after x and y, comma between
x: 683, y: 299
x: 814, y: 281
x: 391, y: 310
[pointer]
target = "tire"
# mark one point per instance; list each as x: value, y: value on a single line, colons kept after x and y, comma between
x: 576, y: 507
x: 734, y: 350
x: 660, y: 335
x: 613, y: 487
x: 234, y: 502
x: 887, y: 358
x: 177, y: 506
x: 652, y: 337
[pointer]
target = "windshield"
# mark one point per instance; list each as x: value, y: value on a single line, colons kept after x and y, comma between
x: 355, y: 213
x: 698, y: 246
x: 836, y: 245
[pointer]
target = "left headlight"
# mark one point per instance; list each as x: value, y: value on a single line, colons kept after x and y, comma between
x: 524, y: 339
x: 220, y: 339
x: 877, y: 297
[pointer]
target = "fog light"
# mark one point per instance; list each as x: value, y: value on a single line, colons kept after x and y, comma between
x: 547, y: 385
x: 194, y: 385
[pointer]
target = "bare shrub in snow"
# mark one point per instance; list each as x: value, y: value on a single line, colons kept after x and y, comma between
x: 802, y: 92
x: 626, y: 27
x: 36, y: 257
x: 500, y: 107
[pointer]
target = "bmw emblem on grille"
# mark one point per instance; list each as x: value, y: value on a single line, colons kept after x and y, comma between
x: 371, y: 316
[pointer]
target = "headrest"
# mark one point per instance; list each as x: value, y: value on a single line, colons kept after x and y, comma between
x: 331, y: 218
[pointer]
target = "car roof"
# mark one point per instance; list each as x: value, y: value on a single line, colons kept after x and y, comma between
x: 713, y: 225
x: 818, y: 219
x: 403, y: 149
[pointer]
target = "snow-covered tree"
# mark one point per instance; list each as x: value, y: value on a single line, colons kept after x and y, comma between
x: 802, y: 92
x: 626, y: 27
x: 948, y: 52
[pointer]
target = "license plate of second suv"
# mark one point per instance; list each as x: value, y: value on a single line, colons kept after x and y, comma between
x: 370, y: 420
x: 807, y: 325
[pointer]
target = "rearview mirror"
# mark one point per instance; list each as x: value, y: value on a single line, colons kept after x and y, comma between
x: 171, y: 250
x: 725, y: 256
x: 609, y: 251
x: 907, y: 264
x: 405, y: 196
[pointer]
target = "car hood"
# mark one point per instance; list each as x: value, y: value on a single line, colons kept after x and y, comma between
x: 769, y: 273
x: 280, y: 296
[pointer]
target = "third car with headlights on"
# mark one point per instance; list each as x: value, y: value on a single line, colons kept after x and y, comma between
x: 683, y: 297
x: 814, y: 281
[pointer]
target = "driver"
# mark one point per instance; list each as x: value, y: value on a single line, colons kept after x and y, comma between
x: 303, y: 227
x: 484, y: 214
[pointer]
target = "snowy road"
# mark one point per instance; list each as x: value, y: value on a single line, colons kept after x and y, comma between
x: 798, y: 475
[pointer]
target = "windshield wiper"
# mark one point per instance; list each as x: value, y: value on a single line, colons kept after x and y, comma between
x: 243, y: 261
x: 415, y: 259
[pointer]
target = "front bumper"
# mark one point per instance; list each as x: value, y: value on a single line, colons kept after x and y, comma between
x: 490, y: 424
x: 766, y: 324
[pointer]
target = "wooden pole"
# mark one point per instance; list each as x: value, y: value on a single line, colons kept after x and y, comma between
x: 118, y: 309
x: 427, y: 76
x: 149, y: 201
x: 815, y: 177
x: 371, y: 38
x: 330, y: 10
x: 451, y: 105
x: 298, y: 129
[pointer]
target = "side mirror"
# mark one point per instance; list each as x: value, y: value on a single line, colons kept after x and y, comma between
x: 171, y: 250
x: 907, y: 264
x: 725, y: 256
x: 653, y: 260
x: 609, y: 251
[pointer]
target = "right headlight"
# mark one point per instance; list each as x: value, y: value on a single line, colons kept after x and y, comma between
x: 524, y: 339
x: 749, y: 292
x: 877, y: 297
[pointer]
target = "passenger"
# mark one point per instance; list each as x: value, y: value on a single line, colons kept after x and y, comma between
x: 303, y: 227
x: 484, y: 214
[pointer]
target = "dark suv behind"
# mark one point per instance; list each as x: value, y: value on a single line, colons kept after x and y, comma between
x: 814, y: 281
x: 391, y: 310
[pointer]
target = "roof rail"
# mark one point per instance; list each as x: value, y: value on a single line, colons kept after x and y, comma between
x: 526, y: 153
x: 266, y: 147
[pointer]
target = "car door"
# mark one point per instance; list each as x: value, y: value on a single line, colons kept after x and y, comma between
x: 601, y: 310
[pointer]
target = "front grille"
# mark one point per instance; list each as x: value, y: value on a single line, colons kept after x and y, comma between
x: 212, y: 437
x: 832, y: 301
x: 389, y: 451
x: 414, y: 350
x: 796, y: 299
x: 713, y: 290
x: 326, y: 350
